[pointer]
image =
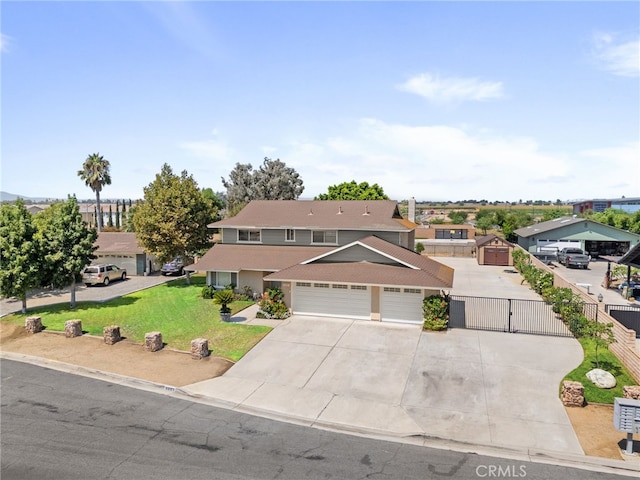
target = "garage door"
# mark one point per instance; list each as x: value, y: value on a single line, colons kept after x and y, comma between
x: 331, y: 299
x: 401, y: 305
x: 496, y: 256
x: 128, y: 262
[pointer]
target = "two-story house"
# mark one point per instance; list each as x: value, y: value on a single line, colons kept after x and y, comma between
x: 350, y: 259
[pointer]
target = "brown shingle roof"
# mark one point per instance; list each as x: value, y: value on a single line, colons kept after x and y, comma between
x: 268, y: 258
x: 413, y: 270
x: 338, y: 214
x: 480, y: 241
x: 118, y: 242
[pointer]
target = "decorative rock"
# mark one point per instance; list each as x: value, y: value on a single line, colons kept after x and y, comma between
x: 601, y: 378
x: 153, y: 341
x: 111, y: 334
x: 572, y: 394
x: 72, y: 328
x: 632, y: 392
x: 199, y: 348
x: 33, y: 324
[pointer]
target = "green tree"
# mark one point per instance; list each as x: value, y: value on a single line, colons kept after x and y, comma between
x: 110, y: 220
x: 173, y: 217
x: 19, y: 252
x: 217, y: 200
x: 67, y: 244
x: 354, y: 191
x: 272, y: 181
x: 458, y: 216
x: 95, y: 173
x: 117, y: 222
x: 600, y: 333
x: 484, y: 223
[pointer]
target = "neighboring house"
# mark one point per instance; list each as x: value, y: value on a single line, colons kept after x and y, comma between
x: 493, y: 250
x: 593, y: 237
x: 629, y: 205
x: 446, y: 240
x: 122, y: 249
x: 331, y: 258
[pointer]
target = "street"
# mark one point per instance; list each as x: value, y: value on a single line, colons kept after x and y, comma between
x: 56, y: 425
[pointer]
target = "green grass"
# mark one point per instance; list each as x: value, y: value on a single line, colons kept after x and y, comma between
x: 608, y: 362
x: 175, y: 309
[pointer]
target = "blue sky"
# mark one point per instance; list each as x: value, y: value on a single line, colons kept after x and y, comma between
x: 435, y: 100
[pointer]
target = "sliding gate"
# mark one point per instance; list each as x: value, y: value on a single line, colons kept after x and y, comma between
x: 507, y: 315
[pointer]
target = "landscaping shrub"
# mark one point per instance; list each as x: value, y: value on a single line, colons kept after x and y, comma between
x: 208, y: 291
x: 436, y: 312
x: 272, y: 305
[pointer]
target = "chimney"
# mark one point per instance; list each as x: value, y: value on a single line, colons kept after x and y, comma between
x: 412, y: 209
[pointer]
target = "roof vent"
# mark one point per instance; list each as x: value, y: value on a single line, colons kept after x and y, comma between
x: 339, y: 210
x: 366, y: 210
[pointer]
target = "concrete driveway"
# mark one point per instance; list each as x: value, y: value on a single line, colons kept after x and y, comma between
x: 484, y: 388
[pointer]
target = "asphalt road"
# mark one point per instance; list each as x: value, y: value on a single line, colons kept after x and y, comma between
x: 61, y: 426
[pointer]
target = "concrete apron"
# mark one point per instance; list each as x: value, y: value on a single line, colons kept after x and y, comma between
x: 484, y: 388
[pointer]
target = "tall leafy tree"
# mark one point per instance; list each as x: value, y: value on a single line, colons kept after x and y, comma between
x: 19, y: 252
x: 173, y: 217
x: 272, y: 181
x: 95, y: 174
x: 67, y: 244
x: 354, y: 191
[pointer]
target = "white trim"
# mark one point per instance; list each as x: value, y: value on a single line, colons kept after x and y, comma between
x: 358, y: 242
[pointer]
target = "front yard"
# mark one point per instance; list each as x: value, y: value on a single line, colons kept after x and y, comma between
x: 175, y: 309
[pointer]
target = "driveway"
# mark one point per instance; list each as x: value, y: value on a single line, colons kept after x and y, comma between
x: 484, y: 388
x: 96, y: 293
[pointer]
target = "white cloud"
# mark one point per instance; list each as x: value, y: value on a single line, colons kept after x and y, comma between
x: 615, y: 56
x: 209, y: 149
x: 5, y: 41
x: 449, y: 163
x: 446, y: 90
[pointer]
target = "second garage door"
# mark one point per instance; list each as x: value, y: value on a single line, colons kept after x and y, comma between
x: 401, y: 305
x: 496, y: 256
x: 331, y: 299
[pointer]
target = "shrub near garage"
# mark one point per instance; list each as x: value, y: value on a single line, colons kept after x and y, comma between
x: 436, y: 312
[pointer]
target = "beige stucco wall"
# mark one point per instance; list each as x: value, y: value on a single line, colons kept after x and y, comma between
x: 375, y: 304
x: 251, y: 279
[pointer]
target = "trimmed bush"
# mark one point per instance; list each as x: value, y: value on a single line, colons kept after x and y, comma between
x: 436, y: 312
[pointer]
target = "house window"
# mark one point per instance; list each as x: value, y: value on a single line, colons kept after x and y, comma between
x: 358, y: 287
x: 451, y: 233
x: 321, y: 285
x: 337, y: 285
x: 223, y: 279
x: 290, y: 235
x: 392, y: 289
x: 248, y: 235
x: 412, y: 290
x: 324, y: 236
x: 303, y: 284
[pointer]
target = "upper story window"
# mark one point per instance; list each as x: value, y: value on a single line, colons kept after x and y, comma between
x: 290, y: 235
x: 324, y: 236
x: 451, y: 233
x: 248, y: 235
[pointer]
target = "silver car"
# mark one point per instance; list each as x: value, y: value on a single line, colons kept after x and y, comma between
x: 102, y: 274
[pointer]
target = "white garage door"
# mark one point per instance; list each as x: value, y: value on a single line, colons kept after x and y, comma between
x: 128, y: 262
x: 330, y: 299
x: 401, y: 305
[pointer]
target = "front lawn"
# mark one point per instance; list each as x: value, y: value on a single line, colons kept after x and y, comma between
x: 608, y: 362
x: 175, y: 309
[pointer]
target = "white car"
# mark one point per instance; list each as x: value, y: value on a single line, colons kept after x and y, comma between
x: 102, y: 274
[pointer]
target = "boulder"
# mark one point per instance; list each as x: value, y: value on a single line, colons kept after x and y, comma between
x: 632, y: 392
x: 111, y: 334
x: 72, y: 328
x: 33, y: 324
x: 572, y: 394
x: 153, y: 341
x: 601, y: 378
x: 199, y: 348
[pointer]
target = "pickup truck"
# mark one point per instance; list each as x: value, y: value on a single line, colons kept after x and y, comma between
x: 573, y: 257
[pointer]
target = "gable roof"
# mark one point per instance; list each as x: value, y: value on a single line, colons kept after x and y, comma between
x: 309, y: 214
x: 560, y: 222
x: 480, y: 241
x: 410, y: 269
x: 269, y: 258
x: 118, y: 242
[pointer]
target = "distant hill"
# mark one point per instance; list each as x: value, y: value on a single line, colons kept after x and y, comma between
x: 12, y: 197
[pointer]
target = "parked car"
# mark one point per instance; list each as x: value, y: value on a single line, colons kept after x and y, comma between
x: 174, y: 267
x: 102, y: 274
x: 573, y: 257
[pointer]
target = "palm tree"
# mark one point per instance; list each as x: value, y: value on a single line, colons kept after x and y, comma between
x: 95, y: 173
